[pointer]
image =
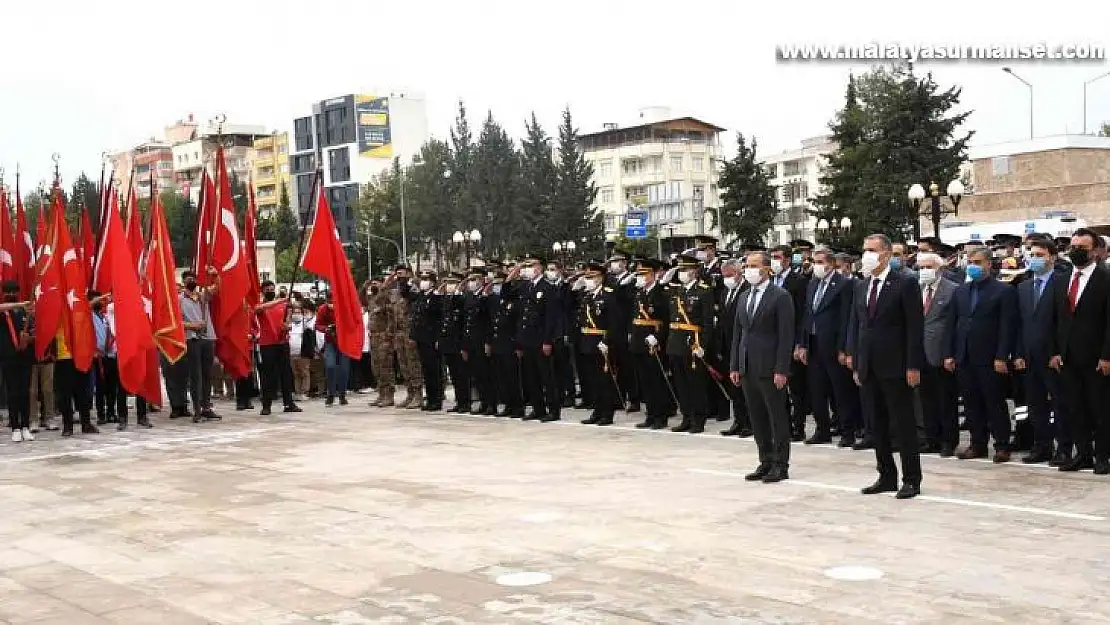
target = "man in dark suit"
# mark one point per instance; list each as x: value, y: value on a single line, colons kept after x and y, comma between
x: 886, y: 352
x: 734, y: 286
x: 794, y: 282
x: 1037, y: 303
x: 535, y: 341
x: 820, y: 343
x: 939, y: 391
x: 982, y: 344
x: 761, y: 358
x: 1080, y: 349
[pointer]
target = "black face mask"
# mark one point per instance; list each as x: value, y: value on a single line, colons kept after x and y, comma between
x: 374, y: 290
x: 1079, y: 256
x: 269, y: 296
x: 190, y: 286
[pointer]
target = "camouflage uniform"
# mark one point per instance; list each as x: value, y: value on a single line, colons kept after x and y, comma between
x: 405, y: 347
x: 381, y: 326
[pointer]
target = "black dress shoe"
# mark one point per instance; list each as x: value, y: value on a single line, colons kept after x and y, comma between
x: 732, y: 431
x: 568, y: 402
x: 490, y: 412
x: 758, y: 474
x: 746, y: 433
x: 645, y: 425
x: 1102, y: 467
x: 776, y: 474
x: 292, y: 408
x: 1037, y: 456
x: 330, y: 401
x: 122, y: 426
x: 723, y: 417
x: 551, y: 417
x: 1079, y: 463
x: 456, y: 409
x: 605, y: 421
x: 503, y: 413
x: 864, y: 443
x: 880, y: 486
x: 697, y: 427
x: 633, y: 407
x: 908, y: 491
x: 144, y: 422
x: 682, y: 427
x: 89, y: 428
x: 660, y: 423
x: 67, y: 431
x: 819, y: 438
x: 211, y: 416
x: 265, y: 411
x: 947, y: 451
x: 846, y: 442
x: 342, y: 400
x: 584, y: 406
x: 1061, y: 458
x: 593, y: 420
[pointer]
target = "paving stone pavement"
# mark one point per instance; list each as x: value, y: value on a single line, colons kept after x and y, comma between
x: 351, y: 516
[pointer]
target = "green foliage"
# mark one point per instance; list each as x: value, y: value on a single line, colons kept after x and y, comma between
x: 378, y: 212
x: 283, y: 227
x: 494, y: 187
x: 84, y: 194
x: 638, y: 247
x: 1105, y: 130
x: 749, y: 201
x: 539, y: 180
x: 574, y: 215
x: 181, y: 219
x: 286, y: 260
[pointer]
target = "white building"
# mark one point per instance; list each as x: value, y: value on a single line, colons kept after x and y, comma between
x: 797, y: 175
x: 662, y: 164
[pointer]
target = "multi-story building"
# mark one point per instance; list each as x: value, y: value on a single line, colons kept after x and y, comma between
x: 661, y: 164
x: 796, y: 175
x: 353, y: 137
x: 270, y: 171
x: 150, y: 159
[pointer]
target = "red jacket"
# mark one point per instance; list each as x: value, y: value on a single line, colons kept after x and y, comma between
x: 325, y: 322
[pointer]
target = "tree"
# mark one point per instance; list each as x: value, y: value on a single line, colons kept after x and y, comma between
x: 283, y: 224
x: 378, y: 213
x: 1105, y: 131
x: 648, y: 246
x: 431, y: 203
x: 460, y: 164
x: 286, y: 261
x: 845, y: 170
x: 181, y: 219
x: 574, y: 215
x: 84, y: 194
x: 238, y: 195
x: 749, y: 200
x: 539, y: 180
x: 494, y: 187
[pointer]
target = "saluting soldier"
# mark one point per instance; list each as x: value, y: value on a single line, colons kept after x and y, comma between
x: 504, y: 307
x: 408, y: 358
x: 476, y: 333
x: 706, y: 252
x: 381, y: 321
x: 621, y: 280
x: 688, y: 341
x: 535, y: 338
x: 600, y: 324
x: 581, y: 361
x: 426, y: 318
x: 647, y: 338
x: 451, y: 341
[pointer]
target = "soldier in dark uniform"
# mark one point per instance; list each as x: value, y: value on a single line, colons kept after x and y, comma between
x: 624, y: 288
x: 504, y: 311
x: 711, y: 260
x: 688, y: 341
x: 581, y: 361
x: 535, y: 340
x: 599, y: 326
x: 706, y: 252
x: 425, y: 304
x: 475, y: 335
x: 647, y: 338
x: 451, y: 340
x: 564, y: 357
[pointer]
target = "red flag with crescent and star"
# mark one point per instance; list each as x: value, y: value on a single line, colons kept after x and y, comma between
x: 135, y: 231
x: 230, y: 316
x: 87, y: 251
x: 80, y: 334
x: 23, y: 253
x: 165, y: 306
x: 7, y: 240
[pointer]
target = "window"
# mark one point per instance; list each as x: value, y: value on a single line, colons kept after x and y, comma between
x: 699, y: 191
x: 655, y: 164
x: 675, y: 192
x: 607, y: 195
x: 676, y: 163
x: 772, y: 170
x: 264, y: 275
x: 340, y: 164
x: 1000, y: 165
x: 699, y: 163
x: 266, y: 172
x: 631, y: 166
x: 793, y: 168
x: 283, y: 148
x: 285, y: 168
x: 610, y: 222
x: 605, y: 168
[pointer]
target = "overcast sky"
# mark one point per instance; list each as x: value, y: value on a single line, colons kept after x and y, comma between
x: 83, y: 77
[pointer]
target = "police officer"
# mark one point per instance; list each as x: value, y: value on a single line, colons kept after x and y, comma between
x: 688, y: 341
x: 475, y: 334
x: 647, y: 337
x: 504, y: 311
x: 600, y: 326
x: 450, y: 343
x: 581, y: 361
x: 426, y: 319
x: 535, y: 338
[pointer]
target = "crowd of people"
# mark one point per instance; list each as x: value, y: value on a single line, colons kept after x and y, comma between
x: 877, y: 346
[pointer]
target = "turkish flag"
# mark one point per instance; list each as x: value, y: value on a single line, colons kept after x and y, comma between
x: 7, y: 241
x: 138, y: 364
x: 78, y: 327
x: 23, y: 252
x: 87, y: 251
x: 324, y: 256
x: 135, y: 231
x: 230, y: 315
x: 47, y: 293
x: 206, y: 219
x: 250, y: 246
x: 161, y: 288
x: 40, y: 231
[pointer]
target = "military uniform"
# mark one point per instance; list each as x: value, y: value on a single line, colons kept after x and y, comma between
x: 600, y: 324
x: 624, y: 289
x: 425, y: 329
x: 476, y: 330
x: 720, y: 404
x: 504, y: 311
x: 451, y: 342
x: 405, y: 347
x: 381, y: 310
x: 582, y: 361
x: 691, y: 326
x: 536, y: 333
x: 650, y: 316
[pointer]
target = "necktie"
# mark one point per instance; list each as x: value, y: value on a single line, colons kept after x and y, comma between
x: 820, y: 294
x: 1073, y: 291
x: 928, y: 297
x: 873, y: 297
x: 974, y: 296
x: 731, y: 295
x: 1039, y: 290
x: 751, y: 303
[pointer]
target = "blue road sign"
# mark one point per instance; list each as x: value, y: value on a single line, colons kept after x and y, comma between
x: 1030, y: 227
x: 635, y: 224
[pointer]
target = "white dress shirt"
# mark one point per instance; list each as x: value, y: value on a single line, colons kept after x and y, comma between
x: 757, y: 293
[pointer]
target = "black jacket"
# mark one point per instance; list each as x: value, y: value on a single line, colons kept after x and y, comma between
x: 539, y: 313
x: 651, y: 314
x: 11, y: 324
x: 477, y: 330
x: 1081, y: 337
x: 427, y: 315
x: 892, y: 341
x: 504, y: 311
x: 451, y: 324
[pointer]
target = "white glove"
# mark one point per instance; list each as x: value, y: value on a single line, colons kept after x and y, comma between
x: 667, y: 277
x: 629, y: 279
x: 579, y: 284
x: 603, y: 348
x: 651, y: 340
x: 699, y: 352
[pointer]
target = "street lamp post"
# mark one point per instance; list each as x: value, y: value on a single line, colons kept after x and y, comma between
x: 564, y: 249
x: 824, y: 226
x: 1027, y: 84
x: 467, y: 239
x: 1095, y: 79
x: 936, y: 209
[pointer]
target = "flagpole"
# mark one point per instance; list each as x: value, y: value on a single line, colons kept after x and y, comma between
x: 304, y: 230
x: 100, y: 193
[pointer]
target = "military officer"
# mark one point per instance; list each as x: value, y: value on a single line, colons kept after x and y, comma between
x: 402, y: 293
x: 426, y: 319
x: 621, y: 280
x: 475, y: 334
x: 689, y: 339
x: 581, y: 361
x: 600, y: 325
x: 706, y: 253
x: 381, y: 321
x: 504, y: 311
x: 647, y: 338
x: 450, y: 344
x: 535, y: 340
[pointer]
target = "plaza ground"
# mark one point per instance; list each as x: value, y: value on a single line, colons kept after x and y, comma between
x: 353, y: 515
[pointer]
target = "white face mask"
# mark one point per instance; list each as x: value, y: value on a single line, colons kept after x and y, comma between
x: 702, y: 255
x: 591, y: 284
x: 425, y: 285
x: 473, y: 286
x: 527, y: 273
x: 497, y: 289
x: 820, y: 271
x: 869, y: 262
x: 753, y: 275
x: 686, y: 277
x: 730, y: 282
x: 615, y: 267
x: 776, y: 266
x: 927, y: 275
x: 451, y: 289
x: 551, y: 275
x: 641, y: 282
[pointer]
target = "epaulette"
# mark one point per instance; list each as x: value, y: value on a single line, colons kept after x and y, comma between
x: 704, y: 285
x: 607, y: 289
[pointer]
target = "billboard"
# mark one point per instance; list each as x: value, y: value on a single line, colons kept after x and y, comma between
x: 372, y: 125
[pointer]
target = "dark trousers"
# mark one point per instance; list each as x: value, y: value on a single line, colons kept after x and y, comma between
x: 199, y: 355
x: 606, y: 398
x: 276, y: 372
x: 653, y: 386
x: 564, y: 371
x: 177, y: 382
x: 690, y: 380
x: 621, y: 358
x: 770, y: 421
x: 72, y: 390
x: 108, y: 389
x: 831, y: 385
x: 507, y: 376
x: 17, y: 379
x: 799, y: 395
x: 1044, y: 398
x: 720, y: 404
x: 481, y: 377
x: 540, y: 387
x: 582, y: 363
x: 362, y: 373
x: 889, y: 403
x: 985, y: 406
x: 939, y: 406
x: 460, y: 378
x: 1088, y: 417
x: 432, y: 368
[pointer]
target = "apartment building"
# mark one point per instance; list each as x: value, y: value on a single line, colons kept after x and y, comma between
x: 796, y: 174
x: 151, y: 159
x: 270, y: 172
x: 662, y: 164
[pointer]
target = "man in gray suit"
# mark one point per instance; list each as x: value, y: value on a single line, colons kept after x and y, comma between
x: 762, y: 346
x: 938, y: 391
